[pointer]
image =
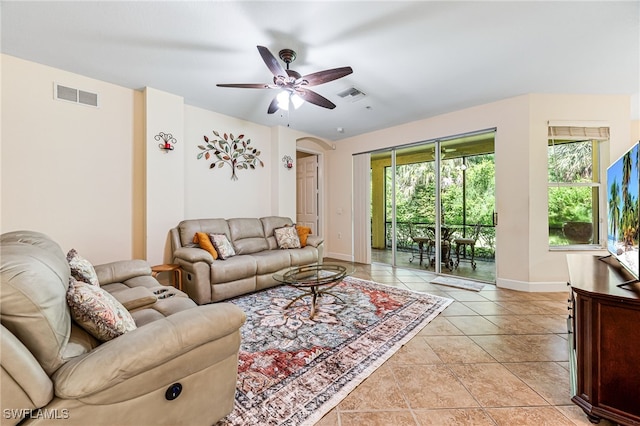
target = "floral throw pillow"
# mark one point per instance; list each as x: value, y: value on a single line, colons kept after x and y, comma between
x: 287, y: 237
x: 81, y: 268
x: 223, y: 246
x: 97, y: 311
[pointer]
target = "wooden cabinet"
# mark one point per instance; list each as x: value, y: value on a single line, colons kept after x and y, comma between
x: 605, y: 343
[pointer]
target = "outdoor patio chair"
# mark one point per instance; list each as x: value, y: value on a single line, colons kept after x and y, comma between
x: 462, y: 243
x: 423, y: 242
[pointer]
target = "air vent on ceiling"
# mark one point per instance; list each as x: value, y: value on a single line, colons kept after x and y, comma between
x: 69, y: 94
x: 352, y: 94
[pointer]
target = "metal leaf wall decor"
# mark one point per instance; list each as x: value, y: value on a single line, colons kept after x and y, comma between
x: 227, y: 149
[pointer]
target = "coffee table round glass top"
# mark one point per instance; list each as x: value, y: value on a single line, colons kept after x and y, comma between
x: 314, y: 280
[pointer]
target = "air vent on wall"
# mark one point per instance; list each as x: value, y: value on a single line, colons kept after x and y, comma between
x: 77, y: 96
x: 352, y: 94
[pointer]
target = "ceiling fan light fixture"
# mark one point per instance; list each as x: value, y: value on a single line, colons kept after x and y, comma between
x: 284, y: 97
x: 283, y: 100
x: 296, y: 100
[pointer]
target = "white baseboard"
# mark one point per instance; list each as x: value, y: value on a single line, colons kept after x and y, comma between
x: 339, y: 256
x: 532, y: 287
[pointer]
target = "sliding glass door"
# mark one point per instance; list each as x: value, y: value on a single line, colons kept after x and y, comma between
x: 433, y: 206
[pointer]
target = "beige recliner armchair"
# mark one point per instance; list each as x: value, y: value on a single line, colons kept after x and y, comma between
x: 179, y: 366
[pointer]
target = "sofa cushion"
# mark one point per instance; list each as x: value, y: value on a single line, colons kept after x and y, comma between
x: 169, y: 302
x: 80, y: 342
x: 81, y: 268
x: 235, y: 268
x: 205, y: 243
x: 287, y: 237
x: 271, y: 261
x: 270, y: 223
x: 247, y: 235
x: 188, y: 228
x: 97, y: 311
x: 223, y: 246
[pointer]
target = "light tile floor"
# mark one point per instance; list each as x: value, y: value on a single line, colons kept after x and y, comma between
x: 494, y: 357
x: 485, y: 270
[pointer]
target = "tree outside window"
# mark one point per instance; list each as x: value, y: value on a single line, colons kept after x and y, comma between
x: 574, y: 192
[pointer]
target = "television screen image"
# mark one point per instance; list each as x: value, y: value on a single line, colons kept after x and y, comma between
x: 623, y: 219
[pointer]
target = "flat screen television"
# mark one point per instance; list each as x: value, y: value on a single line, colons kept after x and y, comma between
x: 623, y: 219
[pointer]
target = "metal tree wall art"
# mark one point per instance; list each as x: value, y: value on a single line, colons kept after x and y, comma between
x: 234, y: 151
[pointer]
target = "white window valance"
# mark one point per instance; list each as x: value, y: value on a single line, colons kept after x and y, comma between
x: 578, y: 131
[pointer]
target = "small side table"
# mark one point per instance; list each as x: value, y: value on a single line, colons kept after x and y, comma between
x: 177, y: 273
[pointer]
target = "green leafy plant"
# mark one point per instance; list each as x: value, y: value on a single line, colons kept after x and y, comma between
x: 227, y: 149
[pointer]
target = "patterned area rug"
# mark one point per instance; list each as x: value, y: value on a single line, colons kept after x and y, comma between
x: 459, y: 283
x: 293, y: 370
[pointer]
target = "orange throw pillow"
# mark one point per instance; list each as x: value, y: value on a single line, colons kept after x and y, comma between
x: 203, y: 240
x: 303, y: 233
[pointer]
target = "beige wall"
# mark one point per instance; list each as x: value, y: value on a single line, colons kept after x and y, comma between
x: 265, y: 191
x: 67, y: 169
x: 523, y: 259
x: 164, y: 171
x: 284, y: 180
x: 94, y: 178
x: 509, y: 116
x: 80, y: 174
x: 546, y: 266
x: 210, y: 193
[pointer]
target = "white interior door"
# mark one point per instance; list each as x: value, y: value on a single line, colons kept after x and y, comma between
x: 307, y: 192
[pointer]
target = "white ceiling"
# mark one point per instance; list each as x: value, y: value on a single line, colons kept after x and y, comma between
x: 412, y: 59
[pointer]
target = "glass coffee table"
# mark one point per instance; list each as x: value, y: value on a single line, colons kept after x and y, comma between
x: 313, y: 280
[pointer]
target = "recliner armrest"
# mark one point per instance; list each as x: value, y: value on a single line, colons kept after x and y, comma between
x: 135, y: 297
x: 20, y: 370
x: 147, y: 348
x: 314, y: 240
x: 193, y: 255
x: 122, y: 270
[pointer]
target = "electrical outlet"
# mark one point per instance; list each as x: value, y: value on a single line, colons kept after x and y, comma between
x: 339, y: 235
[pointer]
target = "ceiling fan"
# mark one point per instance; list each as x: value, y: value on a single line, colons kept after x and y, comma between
x: 292, y: 85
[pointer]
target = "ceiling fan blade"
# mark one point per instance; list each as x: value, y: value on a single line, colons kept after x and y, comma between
x: 325, y: 76
x: 273, y: 106
x: 314, y: 98
x: 271, y: 61
x: 247, y: 86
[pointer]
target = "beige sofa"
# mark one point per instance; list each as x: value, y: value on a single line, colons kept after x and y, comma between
x: 257, y: 256
x: 179, y: 366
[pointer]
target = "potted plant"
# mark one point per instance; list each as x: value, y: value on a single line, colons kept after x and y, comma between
x: 578, y: 232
